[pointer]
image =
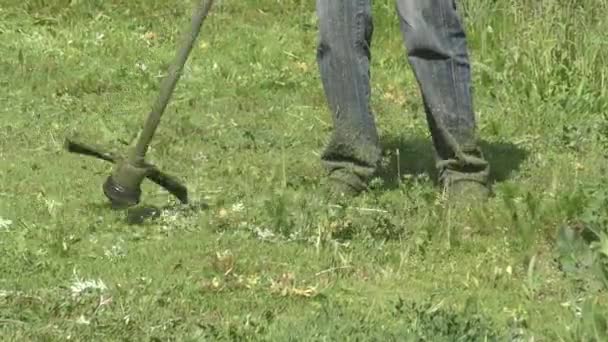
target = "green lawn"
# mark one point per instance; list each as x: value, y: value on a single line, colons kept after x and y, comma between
x: 262, y: 255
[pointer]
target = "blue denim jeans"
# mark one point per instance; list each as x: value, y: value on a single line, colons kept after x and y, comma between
x: 436, y: 48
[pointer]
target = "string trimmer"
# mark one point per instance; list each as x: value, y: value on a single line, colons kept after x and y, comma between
x: 123, y: 186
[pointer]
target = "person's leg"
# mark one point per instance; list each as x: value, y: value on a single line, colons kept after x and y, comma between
x: 343, y: 56
x: 437, y: 51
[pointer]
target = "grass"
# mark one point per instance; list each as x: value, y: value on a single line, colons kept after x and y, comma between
x: 268, y: 258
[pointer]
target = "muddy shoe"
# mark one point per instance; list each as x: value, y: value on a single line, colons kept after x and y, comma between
x: 467, y: 192
x: 342, y: 184
x: 339, y: 190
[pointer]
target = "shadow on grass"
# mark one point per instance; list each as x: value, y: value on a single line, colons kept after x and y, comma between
x: 417, y: 157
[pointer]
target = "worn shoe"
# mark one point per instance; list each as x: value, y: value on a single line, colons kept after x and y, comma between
x: 467, y: 192
x: 339, y: 190
x: 343, y: 184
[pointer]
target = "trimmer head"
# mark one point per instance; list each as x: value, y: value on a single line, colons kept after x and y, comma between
x: 121, y: 196
x: 123, y: 186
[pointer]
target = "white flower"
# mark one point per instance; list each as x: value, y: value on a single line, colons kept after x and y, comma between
x: 116, y: 252
x: 263, y: 233
x: 83, y: 320
x: 238, y: 207
x: 80, y: 286
x: 141, y: 66
x: 5, y: 223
